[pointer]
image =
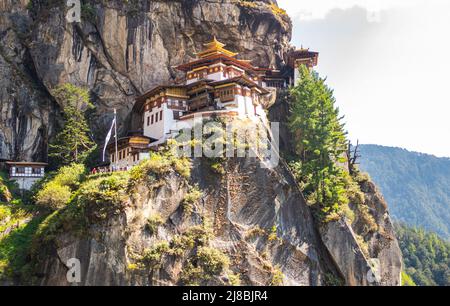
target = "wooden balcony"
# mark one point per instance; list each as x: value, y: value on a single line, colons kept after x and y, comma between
x: 227, y: 98
x: 199, y: 102
x: 177, y: 107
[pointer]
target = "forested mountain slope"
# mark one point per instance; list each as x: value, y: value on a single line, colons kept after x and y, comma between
x: 416, y: 186
x: 425, y: 256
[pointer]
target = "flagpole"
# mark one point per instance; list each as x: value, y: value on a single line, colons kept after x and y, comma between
x: 115, y: 132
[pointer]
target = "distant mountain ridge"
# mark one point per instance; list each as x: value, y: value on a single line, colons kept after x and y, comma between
x: 415, y: 185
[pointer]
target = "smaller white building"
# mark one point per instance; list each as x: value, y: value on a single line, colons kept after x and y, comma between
x: 26, y: 173
x: 131, y: 151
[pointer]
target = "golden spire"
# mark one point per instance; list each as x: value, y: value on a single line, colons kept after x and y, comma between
x: 215, y: 47
x: 303, y: 49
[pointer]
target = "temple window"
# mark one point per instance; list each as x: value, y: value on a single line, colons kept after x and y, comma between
x: 160, y: 115
x: 227, y: 92
x: 36, y: 170
x: 152, y: 119
x: 20, y: 170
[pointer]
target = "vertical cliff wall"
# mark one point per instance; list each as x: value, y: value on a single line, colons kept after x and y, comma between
x: 26, y: 109
x: 258, y: 220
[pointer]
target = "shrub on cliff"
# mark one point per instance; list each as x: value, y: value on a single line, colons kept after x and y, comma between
x: 15, y: 246
x: 154, y: 168
x: 102, y: 197
x: 204, y: 265
x: 56, y: 192
x: 153, y: 222
x: 212, y: 260
x: 70, y: 176
x: 5, y: 194
x: 95, y: 201
x: 191, y: 198
x: 53, y: 196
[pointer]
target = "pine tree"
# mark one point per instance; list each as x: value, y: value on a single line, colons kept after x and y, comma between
x: 73, y: 143
x: 320, y: 141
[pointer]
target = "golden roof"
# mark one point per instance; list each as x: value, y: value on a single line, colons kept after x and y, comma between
x: 215, y: 47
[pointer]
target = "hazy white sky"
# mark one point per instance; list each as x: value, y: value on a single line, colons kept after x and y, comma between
x: 388, y: 62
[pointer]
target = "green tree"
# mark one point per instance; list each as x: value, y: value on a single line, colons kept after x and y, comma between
x: 320, y: 142
x: 73, y: 143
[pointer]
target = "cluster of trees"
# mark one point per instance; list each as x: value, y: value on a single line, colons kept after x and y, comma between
x: 71, y: 149
x: 426, y: 256
x: 320, y: 142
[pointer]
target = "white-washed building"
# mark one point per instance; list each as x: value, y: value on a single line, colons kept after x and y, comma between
x: 130, y: 151
x: 26, y: 173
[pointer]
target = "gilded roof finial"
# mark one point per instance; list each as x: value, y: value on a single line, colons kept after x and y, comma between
x: 215, y: 47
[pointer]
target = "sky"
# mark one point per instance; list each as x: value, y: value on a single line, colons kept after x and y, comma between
x: 388, y: 63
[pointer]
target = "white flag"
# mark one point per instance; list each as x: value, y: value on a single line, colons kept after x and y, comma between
x: 108, y: 137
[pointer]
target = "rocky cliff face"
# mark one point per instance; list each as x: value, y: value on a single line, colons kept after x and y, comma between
x: 258, y: 221
x: 365, y: 253
x: 119, y: 50
x: 257, y: 217
x: 26, y: 108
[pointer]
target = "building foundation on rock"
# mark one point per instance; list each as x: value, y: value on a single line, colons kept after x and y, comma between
x: 217, y: 83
